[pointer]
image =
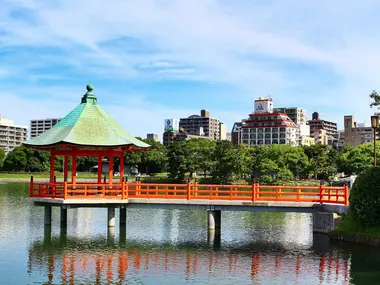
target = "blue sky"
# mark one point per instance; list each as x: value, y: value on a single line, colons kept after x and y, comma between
x: 154, y: 59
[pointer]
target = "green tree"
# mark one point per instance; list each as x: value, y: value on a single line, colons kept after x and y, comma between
x: 2, y: 157
x: 320, y: 164
x: 365, y: 197
x: 376, y: 98
x: 15, y: 160
x: 155, y: 159
x: 230, y: 163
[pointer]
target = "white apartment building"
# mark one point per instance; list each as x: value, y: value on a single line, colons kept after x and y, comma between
x: 37, y: 127
x: 296, y: 114
x: 222, y: 131
x: 266, y: 127
x: 11, y: 135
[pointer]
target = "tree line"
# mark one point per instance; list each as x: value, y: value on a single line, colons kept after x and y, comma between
x: 218, y: 160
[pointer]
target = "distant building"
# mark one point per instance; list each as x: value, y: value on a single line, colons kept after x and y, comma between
x: 11, y: 135
x: 222, y: 131
x: 38, y: 127
x: 194, y: 126
x: 236, y: 134
x: 266, y: 127
x: 320, y: 136
x: 154, y: 137
x: 229, y: 136
x: 356, y: 134
x: 296, y: 114
x: 170, y: 137
x: 194, y: 123
x: 307, y: 140
x: 304, y: 135
x: 317, y: 124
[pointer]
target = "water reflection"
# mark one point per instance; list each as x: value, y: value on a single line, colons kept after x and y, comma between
x: 74, y: 260
x: 171, y: 247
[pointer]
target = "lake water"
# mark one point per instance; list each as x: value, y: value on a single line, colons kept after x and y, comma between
x: 171, y: 247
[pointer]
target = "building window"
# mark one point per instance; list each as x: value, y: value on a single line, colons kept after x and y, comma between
x: 259, y: 142
x: 282, y: 142
x: 275, y: 136
x: 268, y: 130
x: 267, y: 136
x: 282, y: 130
x: 253, y: 136
x: 267, y: 141
x: 274, y: 141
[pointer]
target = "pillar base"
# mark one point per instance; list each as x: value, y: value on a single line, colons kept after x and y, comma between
x: 214, y: 220
x: 63, y: 217
x: 323, y: 222
x: 111, y: 217
x: 123, y: 216
x: 47, y: 215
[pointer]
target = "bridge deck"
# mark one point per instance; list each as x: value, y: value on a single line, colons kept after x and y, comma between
x: 194, y: 205
x: 188, y: 192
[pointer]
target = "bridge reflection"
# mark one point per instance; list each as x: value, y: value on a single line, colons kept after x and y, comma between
x: 95, y: 261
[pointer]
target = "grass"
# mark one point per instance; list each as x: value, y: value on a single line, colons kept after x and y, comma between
x: 349, y: 225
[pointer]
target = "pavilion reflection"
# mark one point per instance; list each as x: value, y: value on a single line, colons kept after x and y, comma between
x: 63, y: 262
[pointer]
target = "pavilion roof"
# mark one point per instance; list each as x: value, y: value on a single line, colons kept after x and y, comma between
x: 87, y: 125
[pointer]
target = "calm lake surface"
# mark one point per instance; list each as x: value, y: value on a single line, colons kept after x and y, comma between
x: 171, y: 247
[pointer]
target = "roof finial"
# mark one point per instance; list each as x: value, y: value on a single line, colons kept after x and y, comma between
x: 89, y: 87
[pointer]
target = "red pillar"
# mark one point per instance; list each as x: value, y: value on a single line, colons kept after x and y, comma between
x: 100, y: 165
x: 110, y: 168
x: 74, y: 170
x: 66, y: 168
x: 52, y: 156
x: 121, y: 170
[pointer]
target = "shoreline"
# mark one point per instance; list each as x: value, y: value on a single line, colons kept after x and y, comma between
x: 354, y: 238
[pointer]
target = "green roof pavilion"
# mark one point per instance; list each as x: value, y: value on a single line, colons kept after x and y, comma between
x: 87, y: 131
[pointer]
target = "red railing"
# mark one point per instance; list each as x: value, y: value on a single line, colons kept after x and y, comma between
x: 191, y: 191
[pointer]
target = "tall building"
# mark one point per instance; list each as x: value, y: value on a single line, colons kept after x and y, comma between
x: 11, y: 135
x: 236, y: 134
x: 356, y: 134
x: 320, y: 136
x: 316, y: 123
x: 38, y: 127
x: 304, y: 135
x: 152, y: 137
x: 193, y: 124
x: 222, y: 131
x: 297, y: 115
x: 266, y: 127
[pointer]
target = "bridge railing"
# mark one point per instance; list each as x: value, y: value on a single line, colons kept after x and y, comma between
x: 192, y: 191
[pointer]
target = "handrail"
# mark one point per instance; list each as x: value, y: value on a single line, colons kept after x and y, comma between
x: 191, y: 191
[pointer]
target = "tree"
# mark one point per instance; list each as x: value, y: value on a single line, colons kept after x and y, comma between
x: 154, y: 160
x: 15, y: 160
x: 365, y: 197
x: 2, y: 157
x: 376, y: 98
x: 320, y: 164
x: 230, y: 163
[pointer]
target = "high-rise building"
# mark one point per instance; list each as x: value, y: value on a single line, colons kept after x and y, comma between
x: 236, y: 134
x: 38, y: 127
x: 154, y: 137
x: 222, y: 131
x: 296, y: 114
x: 266, y: 127
x: 356, y: 134
x: 316, y: 123
x: 304, y: 135
x: 209, y: 125
x: 11, y: 135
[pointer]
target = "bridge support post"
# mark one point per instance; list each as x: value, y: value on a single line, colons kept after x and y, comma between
x: 63, y: 217
x: 47, y: 215
x: 214, y: 219
x: 323, y: 222
x: 123, y: 216
x: 111, y: 217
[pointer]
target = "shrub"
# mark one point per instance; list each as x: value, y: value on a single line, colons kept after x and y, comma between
x: 365, y: 198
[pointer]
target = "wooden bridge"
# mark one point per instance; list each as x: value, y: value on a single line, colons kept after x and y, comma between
x: 190, y: 191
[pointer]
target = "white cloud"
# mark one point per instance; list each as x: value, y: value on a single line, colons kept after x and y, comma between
x: 255, y: 47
